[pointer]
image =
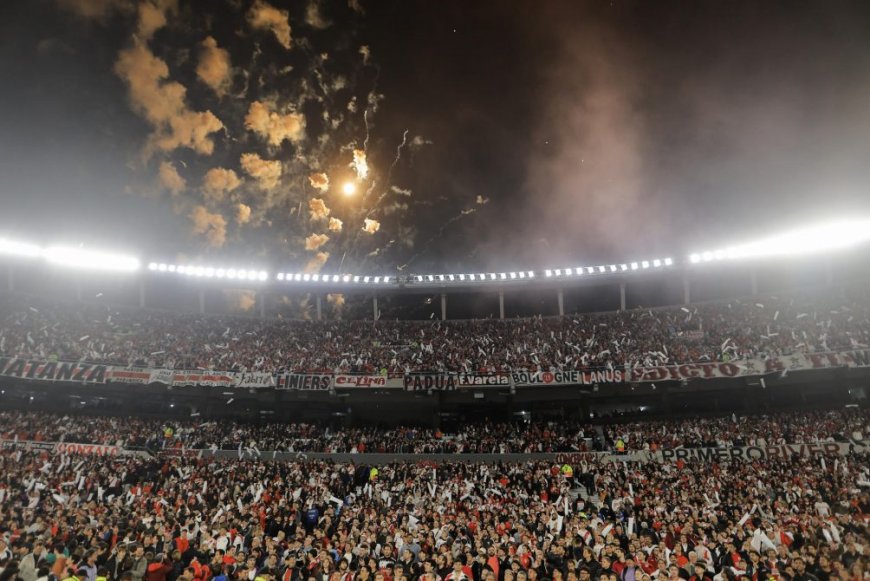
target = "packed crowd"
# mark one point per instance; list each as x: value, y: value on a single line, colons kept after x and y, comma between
x: 189, y: 518
x: 710, y: 332
x: 842, y: 425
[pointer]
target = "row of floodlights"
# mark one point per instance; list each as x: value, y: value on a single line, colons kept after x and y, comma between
x: 71, y: 256
x: 210, y: 272
x: 483, y: 276
x: 609, y: 268
x: 334, y: 278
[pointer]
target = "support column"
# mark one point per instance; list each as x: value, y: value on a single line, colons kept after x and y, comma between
x: 622, y: 296
x: 319, y: 307
x: 443, y: 307
x: 201, y: 301
x: 261, y: 297
x: 561, y: 298
x: 687, y: 290
x: 753, y: 282
x: 141, y: 294
x: 501, y: 304
x: 375, y: 308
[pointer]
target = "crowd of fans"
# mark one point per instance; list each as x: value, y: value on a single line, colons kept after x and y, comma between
x: 189, y: 518
x: 758, y: 327
x: 843, y: 425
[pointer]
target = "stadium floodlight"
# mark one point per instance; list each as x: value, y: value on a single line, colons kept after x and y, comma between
x: 531, y: 274
x: 558, y: 272
x: 71, y: 257
x: 231, y: 273
x: 315, y: 277
x: 471, y: 277
x: 345, y: 278
x: 297, y: 277
x: 634, y: 266
x: 23, y: 249
x: 152, y: 266
x: 644, y: 264
x: 461, y: 277
x: 377, y: 279
x: 612, y: 268
x: 220, y: 273
x: 808, y: 240
x: 579, y: 270
x: 262, y: 275
x: 356, y: 278
x: 440, y: 277
x: 451, y: 278
x: 366, y: 279
x: 522, y: 274
x: 306, y: 277
x: 590, y: 270
x: 171, y: 268
x: 502, y: 275
x: 548, y: 273
x: 161, y: 267
x: 491, y: 276
x: 280, y: 276
x: 602, y: 269
x: 209, y: 272
x: 623, y: 267
x: 513, y: 275
x: 657, y: 263
x: 242, y: 275
x: 669, y: 261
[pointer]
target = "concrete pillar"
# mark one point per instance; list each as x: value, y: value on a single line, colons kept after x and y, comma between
x: 753, y: 282
x: 261, y: 298
x: 375, y: 308
x: 622, y: 296
x: 687, y: 290
x: 561, y: 297
x: 141, y: 294
x: 443, y: 307
x: 319, y: 307
x: 201, y: 301
x: 501, y: 304
x: 10, y: 281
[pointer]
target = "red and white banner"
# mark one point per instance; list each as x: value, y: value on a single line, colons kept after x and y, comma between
x: 366, y: 381
x: 63, y: 447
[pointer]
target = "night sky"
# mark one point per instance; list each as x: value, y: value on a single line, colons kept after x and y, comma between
x: 501, y: 135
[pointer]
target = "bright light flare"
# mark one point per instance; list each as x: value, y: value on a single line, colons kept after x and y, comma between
x: 71, y: 257
x: 19, y: 248
x: 810, y: 240
x: 348, y: 189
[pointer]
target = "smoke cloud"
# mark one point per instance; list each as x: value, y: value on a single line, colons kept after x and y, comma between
x: 318, y: 209
x: 315, y: 264
x: 400, y: 191
x: 161, y: 102
x: 214, y: 68
x: 480, y: 200
x: 359, y: 164
x: 371, y: 226
x: 212, y: 226
x: 152, y: 17
x: 273, y: 126
x: 170, y: 178
x: 315, y: 241
x: 267, y: 173
x: 263, y: 16
x: 240, y: 300
x: 335, y: 225
x: 219, y: 181
x: 314, y: 18
x: 336, y: 300
x: 243, y: 214
x: 319, y: 181
x: 93, y: 9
